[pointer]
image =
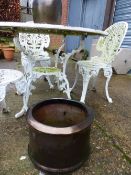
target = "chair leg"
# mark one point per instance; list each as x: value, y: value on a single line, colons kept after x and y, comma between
x: 63, y: 84
x: 26, y: 95
x: 76, y: 78
x: 94, y: 81
x: 25, y: 103
x: 4, y: 104
x: 25, y: 107
x: 21, y: 113
x: 41, y: 173
x: 49, y: 81
x: 86, y: 79
x: 4, y: 107
x: 94, y: 78
x: 67, y: 88
x: 108, y: 74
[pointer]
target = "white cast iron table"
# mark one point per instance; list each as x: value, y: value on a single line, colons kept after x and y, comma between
x: 17, y: 27
x: 48, y: 28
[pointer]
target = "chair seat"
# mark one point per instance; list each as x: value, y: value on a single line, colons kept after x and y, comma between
x: 94, y: 62
x: 48, y: 70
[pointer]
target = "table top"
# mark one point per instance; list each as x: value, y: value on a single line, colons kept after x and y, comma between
x: 9, y: 76
x: 31, y: 27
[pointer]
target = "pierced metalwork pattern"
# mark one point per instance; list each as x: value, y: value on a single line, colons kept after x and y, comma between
x: 109, y: 45
x: 34, y: 44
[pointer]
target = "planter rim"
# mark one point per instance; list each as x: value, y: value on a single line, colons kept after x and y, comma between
x: 60, y: 130
x: 8, y: 48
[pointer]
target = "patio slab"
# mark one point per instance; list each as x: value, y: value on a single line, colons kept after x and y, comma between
x: 110, y: 135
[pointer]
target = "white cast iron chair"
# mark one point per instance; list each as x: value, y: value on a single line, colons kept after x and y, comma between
x: 31, y: 47
x: 109, y: 47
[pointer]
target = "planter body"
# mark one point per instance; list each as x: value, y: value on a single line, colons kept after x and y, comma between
x: 59, y: 135
x: 1, y: 52
x: 47, y: 11
x: 8, y: 53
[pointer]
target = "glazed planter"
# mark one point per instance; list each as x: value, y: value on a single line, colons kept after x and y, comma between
x: 59, y: 139
x: 47, y: 11
x: 1, y: 52
x: 8, y: 53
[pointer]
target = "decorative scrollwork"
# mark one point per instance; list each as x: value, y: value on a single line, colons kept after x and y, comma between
x: 33, y: 45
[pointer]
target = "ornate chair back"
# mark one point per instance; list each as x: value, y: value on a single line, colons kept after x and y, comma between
x: 33, y: 45
x: 109, y: 45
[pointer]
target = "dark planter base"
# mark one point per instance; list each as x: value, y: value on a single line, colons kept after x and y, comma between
x: 59, y: 135
x: 53, y: 171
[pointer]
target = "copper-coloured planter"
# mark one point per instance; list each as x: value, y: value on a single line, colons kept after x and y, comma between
x: 59, y: 135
